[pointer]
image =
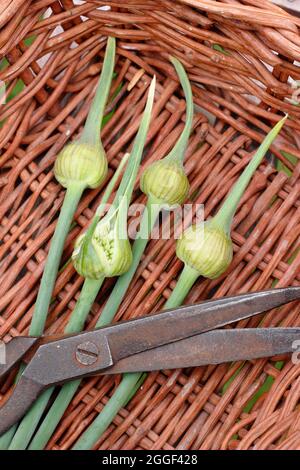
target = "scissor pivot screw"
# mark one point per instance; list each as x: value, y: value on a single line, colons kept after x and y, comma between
x: 87, y: 353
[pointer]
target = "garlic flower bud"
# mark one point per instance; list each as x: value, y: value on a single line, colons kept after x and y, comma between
x: 104, y: 255
x: 166, y: 182
x: 81, y: 163
x: 205, y: 248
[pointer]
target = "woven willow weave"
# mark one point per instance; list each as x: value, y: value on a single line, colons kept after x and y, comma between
x: 242, y: 60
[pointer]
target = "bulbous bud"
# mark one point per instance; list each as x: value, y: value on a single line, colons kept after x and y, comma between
x: 105, y: 255
x: 165, y: 181
x: 205, y: 248
x: 81, y: 163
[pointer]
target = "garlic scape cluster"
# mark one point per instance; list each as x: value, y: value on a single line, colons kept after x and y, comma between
x: 104, y: 250
x: 205, y: 251
x: 166, y: 185
x: 165, y: 181
x: 175, y: 192
x: 80, y: 165
x: 207, y: 248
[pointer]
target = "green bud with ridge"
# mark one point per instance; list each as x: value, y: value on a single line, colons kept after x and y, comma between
x: 205, y: 248
x: 81, y: 163
x: 166, y: 182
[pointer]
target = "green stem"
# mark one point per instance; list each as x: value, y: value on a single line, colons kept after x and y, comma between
x: 179, y: 148
x: 226, y: 213
x: 124, y: 392
x: 71, y: 200
x: 183, y: 286
x: 6, y: 438
x: 82, y: 308
x: 91, y: 131
x: 110, y: 410
x: 30, y: 421
x: 68, y: 390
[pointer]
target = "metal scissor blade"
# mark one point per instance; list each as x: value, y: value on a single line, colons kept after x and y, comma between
x: 213, y: 347
x: 25, y: 393
x: 95, y: 352
x: 14, y: 351
x: 134, y: 336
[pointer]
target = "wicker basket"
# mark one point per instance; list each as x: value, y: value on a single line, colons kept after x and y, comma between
x: 241, y: 57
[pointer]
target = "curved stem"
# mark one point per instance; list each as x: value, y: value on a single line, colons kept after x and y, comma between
x: 179, y: 148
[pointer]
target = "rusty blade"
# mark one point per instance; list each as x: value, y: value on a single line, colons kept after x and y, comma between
x: 24, y: 395
x: 92, y: 352
x: 131, y: 337
x: 14, y: 351
x: 213, y: 347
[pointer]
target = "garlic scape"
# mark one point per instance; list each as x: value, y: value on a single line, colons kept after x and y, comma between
x: 83, y: 162
x: 80, y: 165
x: 165, y: 181
x: 207, y: 248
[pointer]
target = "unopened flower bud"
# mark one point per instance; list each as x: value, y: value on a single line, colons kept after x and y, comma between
x: 166, y: 182
x: 205, y: 248
x: 81, y: 163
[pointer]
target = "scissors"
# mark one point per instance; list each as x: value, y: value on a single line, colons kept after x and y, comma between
x: 183, y: 337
